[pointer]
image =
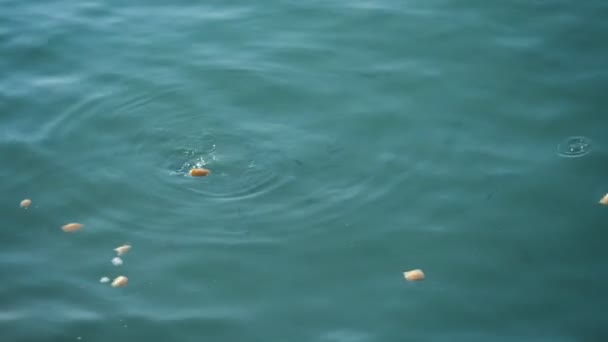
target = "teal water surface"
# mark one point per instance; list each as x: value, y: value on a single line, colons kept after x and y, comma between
x: 349, y: 141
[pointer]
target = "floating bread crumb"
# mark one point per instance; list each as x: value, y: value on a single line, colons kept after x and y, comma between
x: 72, y: 227
x: 120, y: 281
x: 122, y: 249
x: 199, y: 172
x: 25, y: 203
x: 604, y: 200
x: 414, y: 275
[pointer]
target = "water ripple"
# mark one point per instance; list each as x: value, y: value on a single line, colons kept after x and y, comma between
x: 241, y: 168
x: 574, y: 147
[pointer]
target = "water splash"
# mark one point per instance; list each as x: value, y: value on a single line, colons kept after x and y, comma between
x: 576, y: 146
x: 239, y: 168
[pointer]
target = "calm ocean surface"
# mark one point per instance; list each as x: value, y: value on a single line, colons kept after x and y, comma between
x: 349, y: 141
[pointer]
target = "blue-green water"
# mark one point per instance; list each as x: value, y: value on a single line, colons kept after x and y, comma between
x: 349, y: 141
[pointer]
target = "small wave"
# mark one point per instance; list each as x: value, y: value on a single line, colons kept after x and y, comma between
x: 241, y: 167
x: 574, y: 147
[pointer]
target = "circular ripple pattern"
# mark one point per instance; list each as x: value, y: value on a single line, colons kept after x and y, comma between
x: 574, y: 147
x: 240, y: 167
x: 289, y: 181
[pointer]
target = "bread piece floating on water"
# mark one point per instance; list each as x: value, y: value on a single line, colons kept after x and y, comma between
x: 604, y: 200
x: 104, y: 280
x: 122, y: 249
x: 120, y: 281
x: 413, y: 275
x: 72, y: 227
x: 199, y: 172
x: 25, y: 203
